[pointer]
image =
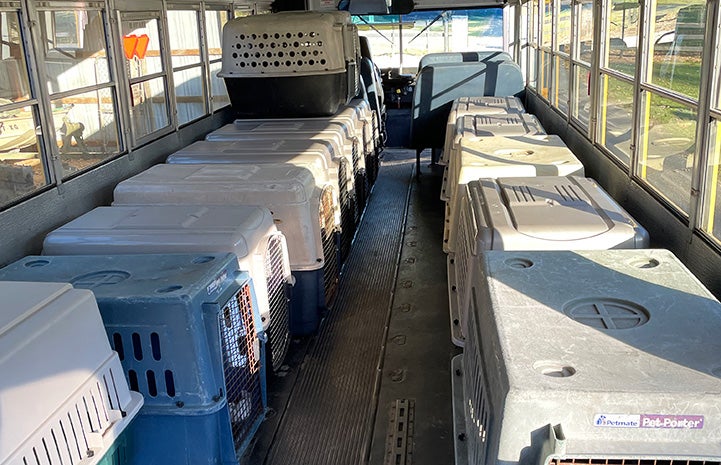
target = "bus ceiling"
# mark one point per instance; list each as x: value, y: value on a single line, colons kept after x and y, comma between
x: 456, y: 5
x: 379, y: 7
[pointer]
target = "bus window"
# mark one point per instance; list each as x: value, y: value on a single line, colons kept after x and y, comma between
x: 21, y: 163
x: 616, y: 87
x: 560, y: 85
x: 666, y: 152
x: 80, y: 85
x: 616, y: 116
x: 547, y: 25
x: 712, y: 192
x: 534, y: 44
x: 188, y: 75
x: 214, y: 22
x: 621, y: 40
x: 563, y: 26
x: 584, y: 33
x: 149, y: 107
x: 14, y: 83
x: 561, y: 55
x: 678, y: 36
x: 582, y: 54
x: 75, y: 53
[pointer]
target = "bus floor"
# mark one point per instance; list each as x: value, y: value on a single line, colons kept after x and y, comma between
x: 374, y: 384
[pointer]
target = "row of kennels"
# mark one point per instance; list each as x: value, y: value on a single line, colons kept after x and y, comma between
x: 576, y: 351
x: 188, y: 289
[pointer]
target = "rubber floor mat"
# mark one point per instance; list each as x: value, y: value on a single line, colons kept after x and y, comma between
x: 331, y: 406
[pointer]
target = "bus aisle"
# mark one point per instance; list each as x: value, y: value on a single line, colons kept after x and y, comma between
x: 385, y: 339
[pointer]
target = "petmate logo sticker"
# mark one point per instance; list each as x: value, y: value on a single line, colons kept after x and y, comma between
x: 217, y: 282
x: 610, y: 420
x: 645, y: 420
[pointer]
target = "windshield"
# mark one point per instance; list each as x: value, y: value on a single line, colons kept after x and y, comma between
x: 399, y: 41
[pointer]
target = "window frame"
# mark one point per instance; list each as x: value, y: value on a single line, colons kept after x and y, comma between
x: 578, y: 63
x: 206, y: 8
x: 603, y: 74
x: 202, y: 63
x: 534, y: 48
x: 146, y: 15
x: 35, y: 10
x: 34, y: 101
x: 708, y: 166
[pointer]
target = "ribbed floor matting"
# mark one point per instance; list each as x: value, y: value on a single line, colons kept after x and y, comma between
x: 327, y: 417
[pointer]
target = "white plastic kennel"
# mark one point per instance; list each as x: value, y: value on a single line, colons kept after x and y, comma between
x: 494, y: 157
x: 488, y: 105
x: 63, y: 393
x: 583, y: 357
x: 478, y: 126
x: 289, y: 192
x: 544, y: 213
x: 314, y: 155
x: 246, y: 231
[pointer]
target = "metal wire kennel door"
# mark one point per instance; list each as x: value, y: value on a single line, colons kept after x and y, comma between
x: 278, y: 332
x: 347, y: 209
x: 328, y: 239
x: 241, y: 364
x: 360, y: 178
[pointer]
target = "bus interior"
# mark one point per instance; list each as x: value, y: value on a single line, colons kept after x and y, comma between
x: 360, y: 232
